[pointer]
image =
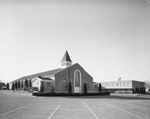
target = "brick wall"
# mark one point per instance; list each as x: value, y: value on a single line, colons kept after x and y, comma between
x: 68, y: 74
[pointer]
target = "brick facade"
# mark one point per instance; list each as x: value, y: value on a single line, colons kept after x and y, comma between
x: 68, y: 75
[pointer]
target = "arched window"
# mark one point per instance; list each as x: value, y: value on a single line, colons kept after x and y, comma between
x: 64, y: 83
x: 77, y: 78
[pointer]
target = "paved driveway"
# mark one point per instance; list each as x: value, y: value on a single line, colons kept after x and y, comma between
x: 13, y: 106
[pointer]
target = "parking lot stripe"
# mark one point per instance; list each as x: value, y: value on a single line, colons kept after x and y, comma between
x: 14, y: 110
x: 122, y: 110
x: 136, y: 106
x: 90, y: 110
x: 54, y: 112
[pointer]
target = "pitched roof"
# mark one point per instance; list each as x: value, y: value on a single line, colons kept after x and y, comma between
x: 42, y: 78
x: 45, y: 78
x: 46, y: 73
x: 76, y: 64
x: 66, y: 57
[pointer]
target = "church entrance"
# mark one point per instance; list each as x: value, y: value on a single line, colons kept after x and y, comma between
x: 77, y: 82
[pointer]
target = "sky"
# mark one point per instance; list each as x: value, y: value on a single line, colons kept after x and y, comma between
x: 108, y: 38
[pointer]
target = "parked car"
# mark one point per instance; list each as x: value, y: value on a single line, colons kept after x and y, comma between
x: 34, y: 91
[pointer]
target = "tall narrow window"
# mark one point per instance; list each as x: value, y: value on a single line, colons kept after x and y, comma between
x: 77, y: 79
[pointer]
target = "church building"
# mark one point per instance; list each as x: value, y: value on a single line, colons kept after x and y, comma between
x: 69, y: 77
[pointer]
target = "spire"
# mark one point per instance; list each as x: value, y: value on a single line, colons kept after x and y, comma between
x: 66, y: 57
x: 66, y: 61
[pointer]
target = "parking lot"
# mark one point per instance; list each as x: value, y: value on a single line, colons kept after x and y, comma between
x: 14, y: 106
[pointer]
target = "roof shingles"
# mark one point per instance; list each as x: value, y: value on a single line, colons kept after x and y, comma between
x: 46, y: 73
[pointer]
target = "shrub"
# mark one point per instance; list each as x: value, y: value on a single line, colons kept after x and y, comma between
x: 12, y: 87
x: 99, y: 87
x: 85, y: 88
x: 73, y: 94
x: 42, y: 87
x: 7, y: 86
x: 70, y: 87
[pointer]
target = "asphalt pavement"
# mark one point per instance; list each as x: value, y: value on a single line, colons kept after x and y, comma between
x: 15, y: 105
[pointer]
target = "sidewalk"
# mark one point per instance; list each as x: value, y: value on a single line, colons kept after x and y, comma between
x: 132, y: 95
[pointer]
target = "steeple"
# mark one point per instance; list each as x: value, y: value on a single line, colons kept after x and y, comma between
x: 66, y: 61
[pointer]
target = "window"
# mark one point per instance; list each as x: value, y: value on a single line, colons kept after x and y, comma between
x: 64, y: 83
x: 77, y: 79
x: 48, y: 84
x: 96, y: 86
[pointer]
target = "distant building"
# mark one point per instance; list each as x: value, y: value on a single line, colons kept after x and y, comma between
x: 59, y: 80
x: 147, y: 86
x: 130, y: 86
x: 2, y: 86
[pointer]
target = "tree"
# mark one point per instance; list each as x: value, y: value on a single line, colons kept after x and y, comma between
x: 100, y: 88
x: 7, y: 86
x: 133, y: 91
x: 12, y: 87
x: 70, y: 88
x: 136, y: 90
x: 85, y: 88
x: 42, y: 87
x: 30, y: 83
x: 22, y: 84
x: 26, y: 83
x: 144, y: 91
x: 18, y: 84
x: 52, y: 89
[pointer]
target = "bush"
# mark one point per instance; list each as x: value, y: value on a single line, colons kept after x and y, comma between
x: 85, y: 88
x: 13, y: 86
x: 70, y: 88
x: 73, y: 94
x: 99, y: 87
x: 42, y: 87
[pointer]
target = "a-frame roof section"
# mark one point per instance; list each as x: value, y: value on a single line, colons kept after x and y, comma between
x: 66, y: 57
x: 73, y: 66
